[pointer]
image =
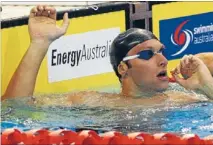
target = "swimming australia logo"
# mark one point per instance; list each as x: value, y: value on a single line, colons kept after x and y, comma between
x: 181, y: 38
x: 190, y: 34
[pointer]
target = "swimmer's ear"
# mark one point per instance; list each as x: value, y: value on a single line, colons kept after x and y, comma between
x: 122, y: 68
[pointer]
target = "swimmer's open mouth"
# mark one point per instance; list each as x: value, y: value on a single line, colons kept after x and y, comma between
x: 162, y: 74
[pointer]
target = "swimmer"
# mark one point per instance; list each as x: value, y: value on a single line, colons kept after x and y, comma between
x: 136, y: 56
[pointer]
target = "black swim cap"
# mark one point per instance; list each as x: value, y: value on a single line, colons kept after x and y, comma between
x: 126, y: 41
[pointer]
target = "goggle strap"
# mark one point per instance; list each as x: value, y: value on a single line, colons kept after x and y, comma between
x: 130, y: 57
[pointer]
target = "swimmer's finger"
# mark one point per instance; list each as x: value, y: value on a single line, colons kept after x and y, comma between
x: 183, y: 61
x: 40, y: 10
x: 186, y: 60
x: 45, y: 12
x: 196, y: 60
x: 190, y: 57
x: 176, y: 70
x: 33, y: 12
x: 51, y: 12
x: 180, y: 81
x: 65, y: 23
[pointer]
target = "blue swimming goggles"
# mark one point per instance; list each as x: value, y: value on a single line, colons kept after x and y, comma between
x: 144, y: 54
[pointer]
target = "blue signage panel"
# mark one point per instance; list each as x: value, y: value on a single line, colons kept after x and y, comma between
x: 187, y: 35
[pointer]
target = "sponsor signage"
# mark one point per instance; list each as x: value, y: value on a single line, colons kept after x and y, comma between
x: 80, y: 55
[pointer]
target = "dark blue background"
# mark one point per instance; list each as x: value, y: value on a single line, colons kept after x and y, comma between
x: 167, y: 27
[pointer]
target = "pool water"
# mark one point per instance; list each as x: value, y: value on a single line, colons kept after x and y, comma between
x: 192, y: 118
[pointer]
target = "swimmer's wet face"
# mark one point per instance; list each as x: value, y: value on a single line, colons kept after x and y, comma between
x: 136, y: 60
x: 149, y: 67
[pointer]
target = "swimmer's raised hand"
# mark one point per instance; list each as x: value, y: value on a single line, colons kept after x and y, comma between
x: 195, y: 73
x: 43, y: 31
x: 42, y: 24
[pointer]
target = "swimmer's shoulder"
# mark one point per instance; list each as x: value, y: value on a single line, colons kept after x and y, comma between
x: 82, y: 96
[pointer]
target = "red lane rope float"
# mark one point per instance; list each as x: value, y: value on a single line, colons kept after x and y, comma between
x: 11, y: 136
x: 89, y: 137
x: 145, y: 138
x: 35, y: 136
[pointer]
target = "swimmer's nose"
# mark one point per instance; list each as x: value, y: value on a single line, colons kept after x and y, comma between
x: 162, y: 61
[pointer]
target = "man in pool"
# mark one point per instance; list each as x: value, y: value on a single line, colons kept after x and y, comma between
x: 136, y: 56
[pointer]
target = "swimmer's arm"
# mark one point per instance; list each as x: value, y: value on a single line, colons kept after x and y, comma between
x: 201, y: 78
x: 43, y: 31
x: 23, y: 80
x: 181, y: 97
x: 207, y: 88
x: 207, y: 58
